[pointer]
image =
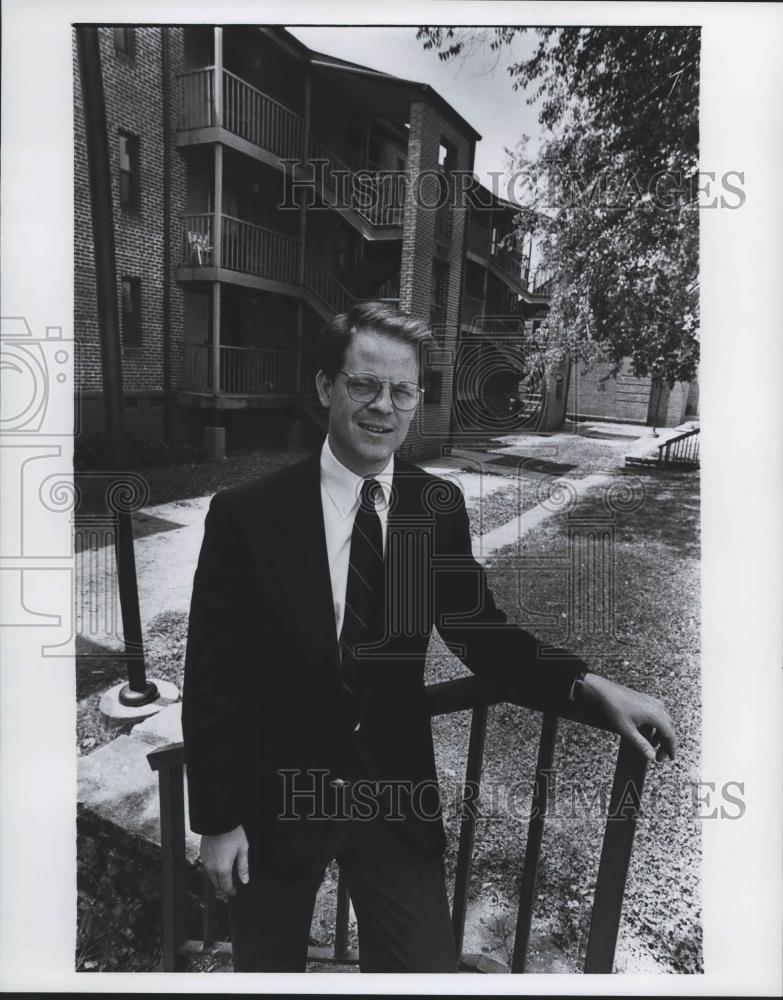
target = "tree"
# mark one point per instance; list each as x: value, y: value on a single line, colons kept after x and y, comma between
x: 611, y: 194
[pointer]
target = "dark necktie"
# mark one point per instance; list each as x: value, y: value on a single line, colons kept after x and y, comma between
x: 363, y: 618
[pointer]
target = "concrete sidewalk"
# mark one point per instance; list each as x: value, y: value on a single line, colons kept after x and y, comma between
x: 167, y: 550
x: 115, y: 782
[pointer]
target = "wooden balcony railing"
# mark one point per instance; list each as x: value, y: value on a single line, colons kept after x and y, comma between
x: 249, y: 371
x: 681, y: 451
x: 444, y: 698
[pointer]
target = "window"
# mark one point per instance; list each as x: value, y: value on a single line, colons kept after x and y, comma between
x: 128, y: 148
x: 447, y: 156
x: 130, y: 310
x: 440, y: 291
x: 124, y: 42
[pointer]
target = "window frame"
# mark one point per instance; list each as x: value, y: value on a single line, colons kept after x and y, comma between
x: 133, y: 149
x: 128, y: 31
x: 131, y: 330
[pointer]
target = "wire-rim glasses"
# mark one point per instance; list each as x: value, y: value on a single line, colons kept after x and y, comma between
x: 364, y: 387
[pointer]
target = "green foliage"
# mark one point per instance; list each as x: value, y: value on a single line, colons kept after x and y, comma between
x: 611, y: 192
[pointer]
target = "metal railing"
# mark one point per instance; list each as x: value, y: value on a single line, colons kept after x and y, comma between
x: 504, y: 258
x: 245, y: 247
x: 327, y: 288
x: 247, y: 371
x: 680, y: 451
x: 477, y: 239
x: 378, y: 196
x: 254, y: 249
x: 444, y: 698
x: 508, y: 261
x: 196, y: 243
x: 260, y: 119
x: 540, y: 281
x: 196, y: 98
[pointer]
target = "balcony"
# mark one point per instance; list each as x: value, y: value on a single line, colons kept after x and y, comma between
x: 256, y: 124
x: 247, y: 376
x: 258, y: 257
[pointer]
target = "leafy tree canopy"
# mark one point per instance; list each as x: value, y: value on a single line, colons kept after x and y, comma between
x: 611, y: 193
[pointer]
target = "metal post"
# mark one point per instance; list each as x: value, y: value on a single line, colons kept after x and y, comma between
x: 467, y: 830
x: 138, y: 691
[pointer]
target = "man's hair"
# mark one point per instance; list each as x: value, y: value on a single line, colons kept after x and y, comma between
x: 370, y: 317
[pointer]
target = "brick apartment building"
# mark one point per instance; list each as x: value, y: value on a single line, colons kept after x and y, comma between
x: 260, y: 187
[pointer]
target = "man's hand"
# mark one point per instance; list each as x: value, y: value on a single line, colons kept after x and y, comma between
x: 219, y: 852
x: 627, y: 710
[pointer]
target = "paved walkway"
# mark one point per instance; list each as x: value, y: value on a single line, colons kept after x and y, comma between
x: 170, y: 535
x: 115, y: 781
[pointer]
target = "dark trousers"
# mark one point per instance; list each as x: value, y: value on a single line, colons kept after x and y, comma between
x: 400, y: 901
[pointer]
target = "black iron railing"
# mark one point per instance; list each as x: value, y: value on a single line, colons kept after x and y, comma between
x: 444, y: 698
x: 681, y: 451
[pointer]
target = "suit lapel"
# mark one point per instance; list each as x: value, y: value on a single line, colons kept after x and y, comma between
x: 304, y: 563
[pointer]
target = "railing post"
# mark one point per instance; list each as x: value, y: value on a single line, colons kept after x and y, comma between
x: 217, y: 87
x: 535, y: 833
x: 624, y: 808
x: 467, y: 831
x: 172, y: 843
x: 207, y: 913
x: 217, y: 200
x: 216, y: 339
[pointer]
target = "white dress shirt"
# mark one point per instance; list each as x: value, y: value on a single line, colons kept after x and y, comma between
x: 340, y: 493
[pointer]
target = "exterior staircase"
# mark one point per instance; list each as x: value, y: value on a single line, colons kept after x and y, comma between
x: 673, y: 448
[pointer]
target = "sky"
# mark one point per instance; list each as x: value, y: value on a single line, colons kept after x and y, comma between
x: 477, y: 85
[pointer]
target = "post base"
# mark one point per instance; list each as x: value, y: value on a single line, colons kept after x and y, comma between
x: 115, y: 710
x: 133, y: 699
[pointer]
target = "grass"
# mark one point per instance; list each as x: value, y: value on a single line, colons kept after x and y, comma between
x: 653, y: 646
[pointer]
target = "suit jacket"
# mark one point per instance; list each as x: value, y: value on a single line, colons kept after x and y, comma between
x: 264, y: 712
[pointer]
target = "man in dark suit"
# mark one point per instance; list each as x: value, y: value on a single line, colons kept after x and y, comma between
x: 306, y: 731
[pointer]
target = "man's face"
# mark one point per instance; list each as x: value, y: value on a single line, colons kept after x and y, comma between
x: 363, y: 436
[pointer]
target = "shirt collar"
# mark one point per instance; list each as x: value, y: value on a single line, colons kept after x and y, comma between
x: 343, y: 487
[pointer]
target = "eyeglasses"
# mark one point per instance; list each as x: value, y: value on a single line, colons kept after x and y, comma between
x: 364, y: 388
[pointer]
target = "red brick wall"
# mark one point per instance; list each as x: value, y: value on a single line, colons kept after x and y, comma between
x: 133, y: 91
x: 431, y: 428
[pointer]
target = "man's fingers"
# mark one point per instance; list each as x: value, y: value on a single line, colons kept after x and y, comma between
x: 665, y: 738
x: 243, y: 866
x: 642, y: 744
x: 225, y: 882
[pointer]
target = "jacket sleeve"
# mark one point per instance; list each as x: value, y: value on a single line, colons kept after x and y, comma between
x: 479, y: 633
x: 216, y: 758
